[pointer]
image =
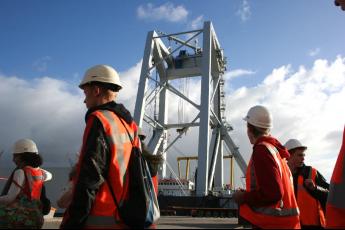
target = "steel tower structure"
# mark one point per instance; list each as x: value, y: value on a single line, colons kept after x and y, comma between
x: 207, y: 62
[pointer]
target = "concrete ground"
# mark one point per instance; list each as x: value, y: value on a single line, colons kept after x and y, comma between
x: 174, y: 222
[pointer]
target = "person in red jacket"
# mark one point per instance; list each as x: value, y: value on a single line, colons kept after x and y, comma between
x: 268, y: 201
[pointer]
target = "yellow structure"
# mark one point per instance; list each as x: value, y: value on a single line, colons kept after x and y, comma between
x: 190, y: 158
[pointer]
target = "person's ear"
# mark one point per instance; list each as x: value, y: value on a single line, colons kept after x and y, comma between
x: 96, y: 90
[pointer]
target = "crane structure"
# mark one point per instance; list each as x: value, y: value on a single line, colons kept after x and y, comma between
x: 161, y: 65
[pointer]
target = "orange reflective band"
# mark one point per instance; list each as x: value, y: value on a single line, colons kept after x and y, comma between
x: 283, y: 214
x: 104, y: 212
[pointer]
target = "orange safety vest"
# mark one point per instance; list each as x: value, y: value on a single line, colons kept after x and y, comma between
x: 34, y: 182
x: 155, y: 183
x: 104, y: 213
x: 311, y: 213
x: 335, y: 208
x: 283, y: 214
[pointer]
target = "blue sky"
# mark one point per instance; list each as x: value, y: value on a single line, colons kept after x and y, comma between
x: 68, y: 36
x: 288, y: 55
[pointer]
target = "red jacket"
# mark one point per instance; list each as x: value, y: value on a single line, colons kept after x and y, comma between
x: 273, y: 213
x: 267, y: 174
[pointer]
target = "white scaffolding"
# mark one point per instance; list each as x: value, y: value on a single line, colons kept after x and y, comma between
x: 207, y: 62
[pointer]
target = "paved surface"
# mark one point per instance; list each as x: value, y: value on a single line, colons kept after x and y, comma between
x: 174, y: 222
x: 183, y: 222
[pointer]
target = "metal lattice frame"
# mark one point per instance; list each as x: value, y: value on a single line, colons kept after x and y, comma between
x: 213, y: 130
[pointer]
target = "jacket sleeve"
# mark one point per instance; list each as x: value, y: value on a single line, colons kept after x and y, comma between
x: 17, y: 180
x: 92, y: 168
x: 321, y: 191
x: 268, y: 179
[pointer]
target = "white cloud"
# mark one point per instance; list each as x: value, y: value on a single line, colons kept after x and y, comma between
x: 46, y: 110
x: 314, y: 52
x: 306, y: 104
x: 51, y: 112
x: 197, y: 23
x: 244, y: 12
x: 130, y: 80
x: 237, y: 73
x: 168, y: 12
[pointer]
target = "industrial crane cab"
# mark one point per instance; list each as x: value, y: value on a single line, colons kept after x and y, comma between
x: 184, y: 65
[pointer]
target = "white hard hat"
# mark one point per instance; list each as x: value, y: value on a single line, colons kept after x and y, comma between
x: 293, y: 144
x: 103, y: 74
x: 259, y: 116
x: 25, y: 145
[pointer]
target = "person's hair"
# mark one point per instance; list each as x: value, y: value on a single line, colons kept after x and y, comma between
x: 257, y: 131
x: 108, y: 91
x: 293, y: 151
x: 106, y: 86
x: 30, y: 159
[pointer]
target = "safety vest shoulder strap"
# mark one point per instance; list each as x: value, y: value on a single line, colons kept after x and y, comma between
x: 120, y: 148
x: 35, y: 174
x: 113, y: 127
x: 309, y: 173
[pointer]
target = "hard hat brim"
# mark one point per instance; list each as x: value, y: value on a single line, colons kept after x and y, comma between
x: 116, y: 87
x: 299, y: 147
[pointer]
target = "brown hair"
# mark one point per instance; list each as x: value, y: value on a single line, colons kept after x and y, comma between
x: 257, y: 131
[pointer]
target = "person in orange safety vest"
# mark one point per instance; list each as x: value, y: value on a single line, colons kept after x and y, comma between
x: 105, y: 152
x: 335, y: 207
x: 269, y: 200
x: 20, y: 200
x: 311, y: 188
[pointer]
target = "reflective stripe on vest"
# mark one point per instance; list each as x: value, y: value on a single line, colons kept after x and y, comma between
x: 280, y: 215
x: 312, y: 213
x: 114, y: 138
x: 279, y: 209
x: 335, y: 208
x: 35, y: 181
x: 104, y: 213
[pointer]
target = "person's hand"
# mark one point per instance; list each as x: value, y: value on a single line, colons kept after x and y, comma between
x: 238, y: 196
x: 309, y: 183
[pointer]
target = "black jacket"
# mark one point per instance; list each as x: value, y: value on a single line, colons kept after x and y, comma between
x: 93, y: 168
x: 322, y: 187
